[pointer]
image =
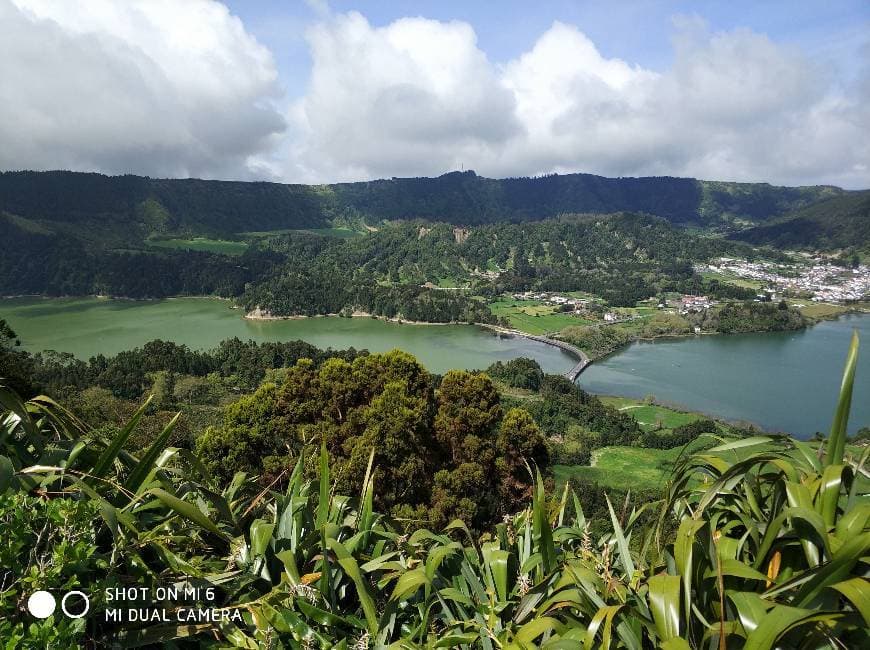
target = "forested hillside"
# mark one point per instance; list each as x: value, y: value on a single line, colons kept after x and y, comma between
x: 841, y: 222
x: 269, y: 245
x: 463, y: 198
x: 392, y: 272
x: 623, y: 258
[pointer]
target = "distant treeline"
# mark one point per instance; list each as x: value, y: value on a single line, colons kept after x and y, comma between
x: 622, y: 258
x: 127, y: 374
x: 839, y: 223
x: 457, y: 197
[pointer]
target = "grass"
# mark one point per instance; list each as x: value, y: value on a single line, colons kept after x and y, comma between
x: 220, y: 246
x: 534, y: 317
x: 27, y: 225
x: 339, y: 233
x: 623, y: 468
x: 451, y: 283
x: 819, y: 310
x: 627, y: 468
x: 647, y: 415
x: 733, y: 279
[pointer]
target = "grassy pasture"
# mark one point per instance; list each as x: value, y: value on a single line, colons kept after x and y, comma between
x: 339, y: 233
x: 647, y: 415
x: 819, y: 310
x: 533, y: 316
x: 733, y: 279
x: 623, y: 468
x: 220, y: 246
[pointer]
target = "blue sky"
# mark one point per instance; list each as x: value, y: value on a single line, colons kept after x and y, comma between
x: 323, y: 91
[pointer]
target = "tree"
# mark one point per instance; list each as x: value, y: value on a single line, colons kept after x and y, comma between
x: 523, y: 446
x: 16, y: 365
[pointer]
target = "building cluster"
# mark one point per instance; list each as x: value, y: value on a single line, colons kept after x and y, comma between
x: 694, y: 304
x: 552, y: 298
x: 822, y: 281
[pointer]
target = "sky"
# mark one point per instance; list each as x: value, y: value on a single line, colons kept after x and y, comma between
x: 316, y: 91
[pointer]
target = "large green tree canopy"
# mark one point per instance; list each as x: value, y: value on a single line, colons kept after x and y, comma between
x: 440, y: 452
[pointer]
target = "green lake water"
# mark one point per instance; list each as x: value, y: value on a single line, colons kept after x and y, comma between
x: 87, y: 326
x: 782, y: 381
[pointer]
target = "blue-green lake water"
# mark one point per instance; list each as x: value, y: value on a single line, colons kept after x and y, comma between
x: 88, y: 326
x: 785, y: 381
x: 782, y: 381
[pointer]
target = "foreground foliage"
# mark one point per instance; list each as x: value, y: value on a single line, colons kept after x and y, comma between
x: 771, y: 550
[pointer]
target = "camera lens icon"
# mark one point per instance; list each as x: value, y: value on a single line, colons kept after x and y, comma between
x: 74, y: 604
x: 41, y: 604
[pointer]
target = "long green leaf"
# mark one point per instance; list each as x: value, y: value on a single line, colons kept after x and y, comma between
x: 837, y: 439
x: 351, y: 568
x: 188, y: 511
x: 323, y: 501
x: 621, y: 542
x: 104, y: 462
x: 857, y: 590
x: 664, y: 597
x: 148, y: 460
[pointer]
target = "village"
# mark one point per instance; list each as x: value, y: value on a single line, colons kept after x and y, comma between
x: 817, y: 279
x: 592, y: 308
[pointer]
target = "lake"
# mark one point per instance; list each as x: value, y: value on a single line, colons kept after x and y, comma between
x: 88, y: 326
x: 782, y: 381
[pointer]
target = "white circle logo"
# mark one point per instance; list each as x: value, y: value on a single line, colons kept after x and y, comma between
x: 83, y: 596
x: 41, y: 604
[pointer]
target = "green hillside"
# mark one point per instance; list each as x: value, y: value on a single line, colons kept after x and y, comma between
x: 136, y: 206
x: 841, y: 222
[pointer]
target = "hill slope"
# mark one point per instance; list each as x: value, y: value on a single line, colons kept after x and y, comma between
x: 841, y: 222
x: 149, y: 206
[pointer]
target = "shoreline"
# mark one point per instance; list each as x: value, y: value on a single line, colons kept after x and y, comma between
x: 583, y: 359
x: 812, y: 321
x: 258, y: 315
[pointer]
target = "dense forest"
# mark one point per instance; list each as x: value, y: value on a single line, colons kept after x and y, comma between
x: 838, y: 223
x: 622, y: 258
x: 462, y: 198
x: 392, y: 272
x: 68, y: 233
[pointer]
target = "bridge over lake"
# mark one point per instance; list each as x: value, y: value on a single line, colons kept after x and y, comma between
x: 583, y: 360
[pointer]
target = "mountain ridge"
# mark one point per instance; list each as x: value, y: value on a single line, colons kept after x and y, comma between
x: 839, y: 222
x: 462, y: 198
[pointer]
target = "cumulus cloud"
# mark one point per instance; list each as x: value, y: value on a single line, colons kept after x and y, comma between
x: 171, y: 88
x: 147, y: 86
x: 397, y: 99
x: 420, y: 97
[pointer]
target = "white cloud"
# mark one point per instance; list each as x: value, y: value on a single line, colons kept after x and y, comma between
x: 420, y: 97
x: 396, y: 99
x: 146, y: 86
x: 171, y: 88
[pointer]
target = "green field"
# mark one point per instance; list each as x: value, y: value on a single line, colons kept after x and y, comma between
x: 533, y: 317
x: 338, y: 233
x: 819, y: 310
x: 623, y: 468
x: 627, y: 468
x: 452, y: 283
x: 649, y: 415
x: 221, y: 246
x: 733, y: 279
